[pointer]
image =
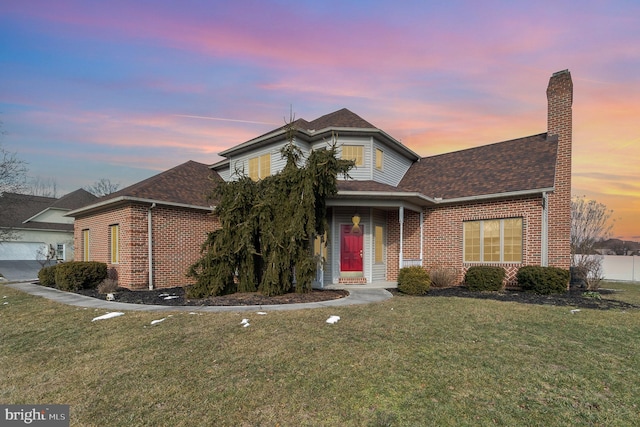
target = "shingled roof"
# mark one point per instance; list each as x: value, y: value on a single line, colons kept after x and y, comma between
x: 513, y: 166
x: 189, y: 184
x: 18, y: 209
x: 341, y: 119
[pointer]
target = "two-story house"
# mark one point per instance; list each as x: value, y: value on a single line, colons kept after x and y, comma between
x: 505, y: 204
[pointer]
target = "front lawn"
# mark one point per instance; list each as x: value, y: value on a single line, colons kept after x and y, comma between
x: 408, y: 361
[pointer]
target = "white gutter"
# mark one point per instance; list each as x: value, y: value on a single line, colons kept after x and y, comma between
x: 544, y: 238
x: 150, y: 245
x: 137, y: 200
x: 494, y: 196
x: 401, y: 219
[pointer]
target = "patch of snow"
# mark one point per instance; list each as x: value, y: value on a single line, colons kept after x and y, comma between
x: 574, y: 311
x: 171, y: 297
x: 155, y: 322
x: 108, y: 316
x: 333, y: 319
x: 245, y: 323
x: 163, y: 295
x: 261, y: 312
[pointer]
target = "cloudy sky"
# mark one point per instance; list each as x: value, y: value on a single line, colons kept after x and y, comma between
x: 126, y: 89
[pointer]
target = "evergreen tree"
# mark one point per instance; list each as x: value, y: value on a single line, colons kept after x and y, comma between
x: 268, y: 227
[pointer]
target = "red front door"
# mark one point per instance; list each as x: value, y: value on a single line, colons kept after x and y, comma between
x: 350, y: 248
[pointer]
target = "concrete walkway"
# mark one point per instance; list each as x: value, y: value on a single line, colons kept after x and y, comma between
x: 357, y: 295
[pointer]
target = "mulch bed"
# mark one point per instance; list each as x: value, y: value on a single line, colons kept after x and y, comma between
x: 573, y: 298
x: 175, y: 297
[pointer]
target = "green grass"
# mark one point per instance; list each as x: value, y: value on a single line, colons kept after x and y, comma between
x: 407, y: 361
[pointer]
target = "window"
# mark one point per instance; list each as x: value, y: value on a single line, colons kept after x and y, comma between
x: 260, y: 167
x: 114, y: 239
x: 498, y: 240
x: 353, y: 152
x: 60, y: 251
x: 85, y: 245
x: 320, y: 247
x: 379, y: 244
x: 379, y: 159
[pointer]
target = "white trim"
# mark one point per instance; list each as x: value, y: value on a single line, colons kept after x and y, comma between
x: 544, y: 239
x: 138, y: 200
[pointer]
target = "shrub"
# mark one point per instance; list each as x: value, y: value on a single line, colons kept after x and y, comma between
x: 413, y: 280
x: 72, y: 276
x: 484, y: 278
x: 543, y: 280
x: 108, y: 286
x: 443, y: 277
x: 47, y: 276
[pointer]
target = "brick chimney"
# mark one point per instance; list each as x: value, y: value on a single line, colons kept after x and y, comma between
x: 559, y: 123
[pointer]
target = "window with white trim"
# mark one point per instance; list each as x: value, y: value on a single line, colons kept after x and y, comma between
x: 493, y: 241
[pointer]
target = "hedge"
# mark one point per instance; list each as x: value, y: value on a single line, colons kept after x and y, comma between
x: 72, y: 276
x: 543, y: 280
x: 47, y: 276
x: 413, y: 280
x: 484, y: 278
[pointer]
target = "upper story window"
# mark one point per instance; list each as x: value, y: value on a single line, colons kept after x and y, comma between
x: 260, y: 167
x: 497, y: 240
x: 379, y: 154
x: 353, y: 152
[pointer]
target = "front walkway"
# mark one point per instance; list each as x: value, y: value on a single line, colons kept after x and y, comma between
x: 358, y: 294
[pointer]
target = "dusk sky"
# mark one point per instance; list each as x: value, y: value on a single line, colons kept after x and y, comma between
x: 126, y: 89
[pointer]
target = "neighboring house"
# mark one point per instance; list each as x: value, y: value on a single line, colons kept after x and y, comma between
x: 505, y: 204
x: 40, y: 226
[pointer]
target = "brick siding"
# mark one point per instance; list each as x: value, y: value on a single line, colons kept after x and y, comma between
x: 178, y: 234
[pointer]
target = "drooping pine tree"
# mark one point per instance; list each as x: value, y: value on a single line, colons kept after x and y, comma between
x: 268, y: 227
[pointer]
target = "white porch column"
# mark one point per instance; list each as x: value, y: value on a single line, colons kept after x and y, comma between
x: 401, y: 220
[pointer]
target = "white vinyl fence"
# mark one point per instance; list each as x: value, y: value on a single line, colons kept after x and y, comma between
x: 622, y: 268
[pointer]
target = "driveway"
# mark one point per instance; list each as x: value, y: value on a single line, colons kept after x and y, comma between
x: 20, y: 271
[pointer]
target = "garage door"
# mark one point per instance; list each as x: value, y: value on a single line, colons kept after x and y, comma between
x: 21, y: 250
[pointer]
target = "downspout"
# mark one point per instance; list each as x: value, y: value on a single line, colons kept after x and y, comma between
x: 422, y: 237
x: 544, y: 238
x: 401, y: 220
x: 150, y: 245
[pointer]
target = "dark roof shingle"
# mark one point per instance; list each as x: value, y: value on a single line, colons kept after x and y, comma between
x: 511, y: 166
x: 190, y: 183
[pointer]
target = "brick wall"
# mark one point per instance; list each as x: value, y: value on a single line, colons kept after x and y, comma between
x: 559, y: 122
x: 443, y: 243
x: 443, y: 234
x: 177, y: 236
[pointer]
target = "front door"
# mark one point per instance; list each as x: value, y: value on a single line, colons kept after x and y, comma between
x: 351, y: 248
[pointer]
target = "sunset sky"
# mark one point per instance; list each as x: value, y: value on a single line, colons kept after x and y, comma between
x: 126, y: 89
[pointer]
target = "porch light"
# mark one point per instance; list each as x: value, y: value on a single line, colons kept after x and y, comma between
x: 355, y: 219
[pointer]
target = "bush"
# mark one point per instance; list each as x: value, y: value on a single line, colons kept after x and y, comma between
x: 108, y: 286
x: 443, y: 277
x: 413, y: 280
x: 47, y: 276
x: 484, y: 278
x: 72, y: 276
x: 543, y: 280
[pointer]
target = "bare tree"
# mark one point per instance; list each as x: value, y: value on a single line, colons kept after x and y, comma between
x: 103, y: 187
x: 45, y: 187
x: 13, y: 175
x: 590, y: 223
